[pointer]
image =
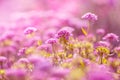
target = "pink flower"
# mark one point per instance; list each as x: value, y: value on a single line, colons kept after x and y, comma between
x: 90, y: 16
x: 100, y: 31
x: 29, y: 30
x: 23, y: 60
x: 45, y: 47
x: 51, y: 41
x: 111, y: 37
x: 65, y: 33
x: 103, y: 43
x: 99, y: 72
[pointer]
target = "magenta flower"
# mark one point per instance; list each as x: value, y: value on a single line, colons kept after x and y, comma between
x: 99, y: 73
x: 103, y: 43
x: 90, y: 16
x: 111, y: 37
x: 23, y: 60
x: 60, y: 73
x: 45, y: 47
x: 51, y: 41
x: 29, y: 30
x: 100, y: 31
x: 64, y: 33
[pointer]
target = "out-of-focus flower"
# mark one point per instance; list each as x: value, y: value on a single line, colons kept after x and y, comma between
x: 60, y: 73
x: 103, y: 43
x: 64, y: 33
x: 51, y: 41
x: 99, y: 73
x: 90, y: 16
x: 45, y: 47
x: 100, y: 31
x: 30, y: 30
x: 23, y: 60
x: 111, y: 37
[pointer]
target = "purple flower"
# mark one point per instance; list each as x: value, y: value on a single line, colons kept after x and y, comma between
x: 23, y: 60
x: 90, y: 16
x: 100, y: 31
x: 64, y: 33
x: 111, y: 37
x: 51, y: 41
x: 29, y: 30
x: 45, y: 47
x: 103, y: 43
x: 99, y: 72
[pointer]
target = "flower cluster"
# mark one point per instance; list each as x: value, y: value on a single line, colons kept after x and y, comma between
x: 54, y: 49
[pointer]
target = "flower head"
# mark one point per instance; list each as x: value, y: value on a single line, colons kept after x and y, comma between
x: 111, y: 37
x: 99, y: 73
x: 103, y: 43
x: 64, y: 33
x: 51, y: 41
x: 100, y: 31
x: 30, y: 30
x: 90, y: 16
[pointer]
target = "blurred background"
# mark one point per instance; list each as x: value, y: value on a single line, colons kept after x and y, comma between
x: 108, y: 11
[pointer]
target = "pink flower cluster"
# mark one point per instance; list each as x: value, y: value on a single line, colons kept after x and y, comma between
x: 58, y: 48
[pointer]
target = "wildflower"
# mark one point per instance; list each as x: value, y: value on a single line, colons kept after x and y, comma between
x: 23, y: 60
x: 103, y: 43
x: 30, y: 30
x: 51, y: 41
x: 111, y: 37
x: 45, y: 47
x: 64, y: 33
x: 90, y: 16
x: 99, y: 73
x: 100, y: 31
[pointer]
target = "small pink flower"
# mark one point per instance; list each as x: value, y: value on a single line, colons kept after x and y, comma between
x: 65, y: 33
x: 51, y: 41
x: 23, y: 60
x: 45, y: 47
x: 90, y: 16
x: 99, y: 72
x: 111, y: 37
x: 103, y: 43
x: 100, y: 31
x: 29, y: 30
